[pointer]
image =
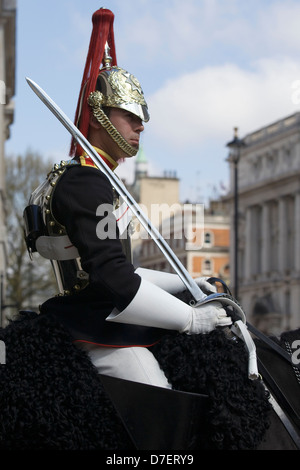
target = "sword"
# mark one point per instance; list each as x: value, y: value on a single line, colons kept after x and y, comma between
x: 184, y: 275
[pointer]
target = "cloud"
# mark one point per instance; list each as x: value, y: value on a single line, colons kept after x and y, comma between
x: 208, y: 103
x: 278, y: 26
x: 193, y: 33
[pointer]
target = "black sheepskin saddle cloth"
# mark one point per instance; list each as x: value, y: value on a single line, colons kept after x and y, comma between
x: 52, y: 398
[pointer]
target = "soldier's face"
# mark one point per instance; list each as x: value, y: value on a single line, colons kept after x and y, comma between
x: 128, y: 124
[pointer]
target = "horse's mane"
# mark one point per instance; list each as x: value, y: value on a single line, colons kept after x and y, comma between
x: 51, y: 396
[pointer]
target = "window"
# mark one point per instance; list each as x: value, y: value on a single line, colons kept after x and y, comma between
x: 207, y: 266
x: 208, y: 238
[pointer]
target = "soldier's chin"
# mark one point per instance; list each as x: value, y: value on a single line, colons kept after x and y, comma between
x: 135, y: 145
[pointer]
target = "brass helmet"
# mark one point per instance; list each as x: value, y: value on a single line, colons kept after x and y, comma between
x: 121, y: 89
x: 105, y: 84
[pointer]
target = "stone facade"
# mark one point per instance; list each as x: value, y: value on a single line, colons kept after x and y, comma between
x: 7, y: 91
x: 269, y: 225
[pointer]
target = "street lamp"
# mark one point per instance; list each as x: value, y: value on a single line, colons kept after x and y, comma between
x: 234, y: 157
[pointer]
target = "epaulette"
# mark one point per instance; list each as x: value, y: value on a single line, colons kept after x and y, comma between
x: 87, y: 161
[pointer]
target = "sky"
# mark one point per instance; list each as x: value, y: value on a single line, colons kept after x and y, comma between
x: 205, y: 66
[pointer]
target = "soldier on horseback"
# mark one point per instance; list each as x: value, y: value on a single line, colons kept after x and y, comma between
x: 111, y: 309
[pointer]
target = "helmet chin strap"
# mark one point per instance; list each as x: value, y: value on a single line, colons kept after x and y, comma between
x: 95, y: 101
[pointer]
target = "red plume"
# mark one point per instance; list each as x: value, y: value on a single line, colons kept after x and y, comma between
x: 103, y: 32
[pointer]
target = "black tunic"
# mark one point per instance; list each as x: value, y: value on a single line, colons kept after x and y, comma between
x: 112, y: 280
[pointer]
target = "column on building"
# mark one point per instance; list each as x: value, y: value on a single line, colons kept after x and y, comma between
x: 248, y: 244
x: 253, y: 241
x: 257, y: 240
x: 265, y: 261
x: 282, y: 225
x: 2, y: 140
x: 290, y: 233
x: 232, y: 250
x: 7, y: 84
x: 274, y: 235
x: 2, y: 84
x: 297, y: 232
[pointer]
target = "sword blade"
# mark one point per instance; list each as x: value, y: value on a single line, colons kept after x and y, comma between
x: 184, y: 275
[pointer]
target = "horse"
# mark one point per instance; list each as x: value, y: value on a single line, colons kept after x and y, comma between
x: 281, y: 376
x: 52, y: 397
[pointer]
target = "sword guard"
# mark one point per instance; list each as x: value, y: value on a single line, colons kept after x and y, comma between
x: 226, y: 300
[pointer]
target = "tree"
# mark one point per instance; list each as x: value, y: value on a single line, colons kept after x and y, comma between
x: 29, y: 282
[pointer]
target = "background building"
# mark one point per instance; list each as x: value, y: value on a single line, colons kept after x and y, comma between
x: 201, y: 243
x: 199, y: 237
x: 212, y: 259
x: 269, y: 225
x: 150, y: 191
x: 7, y: 91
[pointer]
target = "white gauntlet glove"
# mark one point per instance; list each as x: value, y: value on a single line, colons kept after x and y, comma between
x: 206, y: 318
x: 152, y: 306
x: 172, y: 283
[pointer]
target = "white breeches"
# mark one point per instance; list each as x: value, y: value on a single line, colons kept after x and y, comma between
x: 134, y: 363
